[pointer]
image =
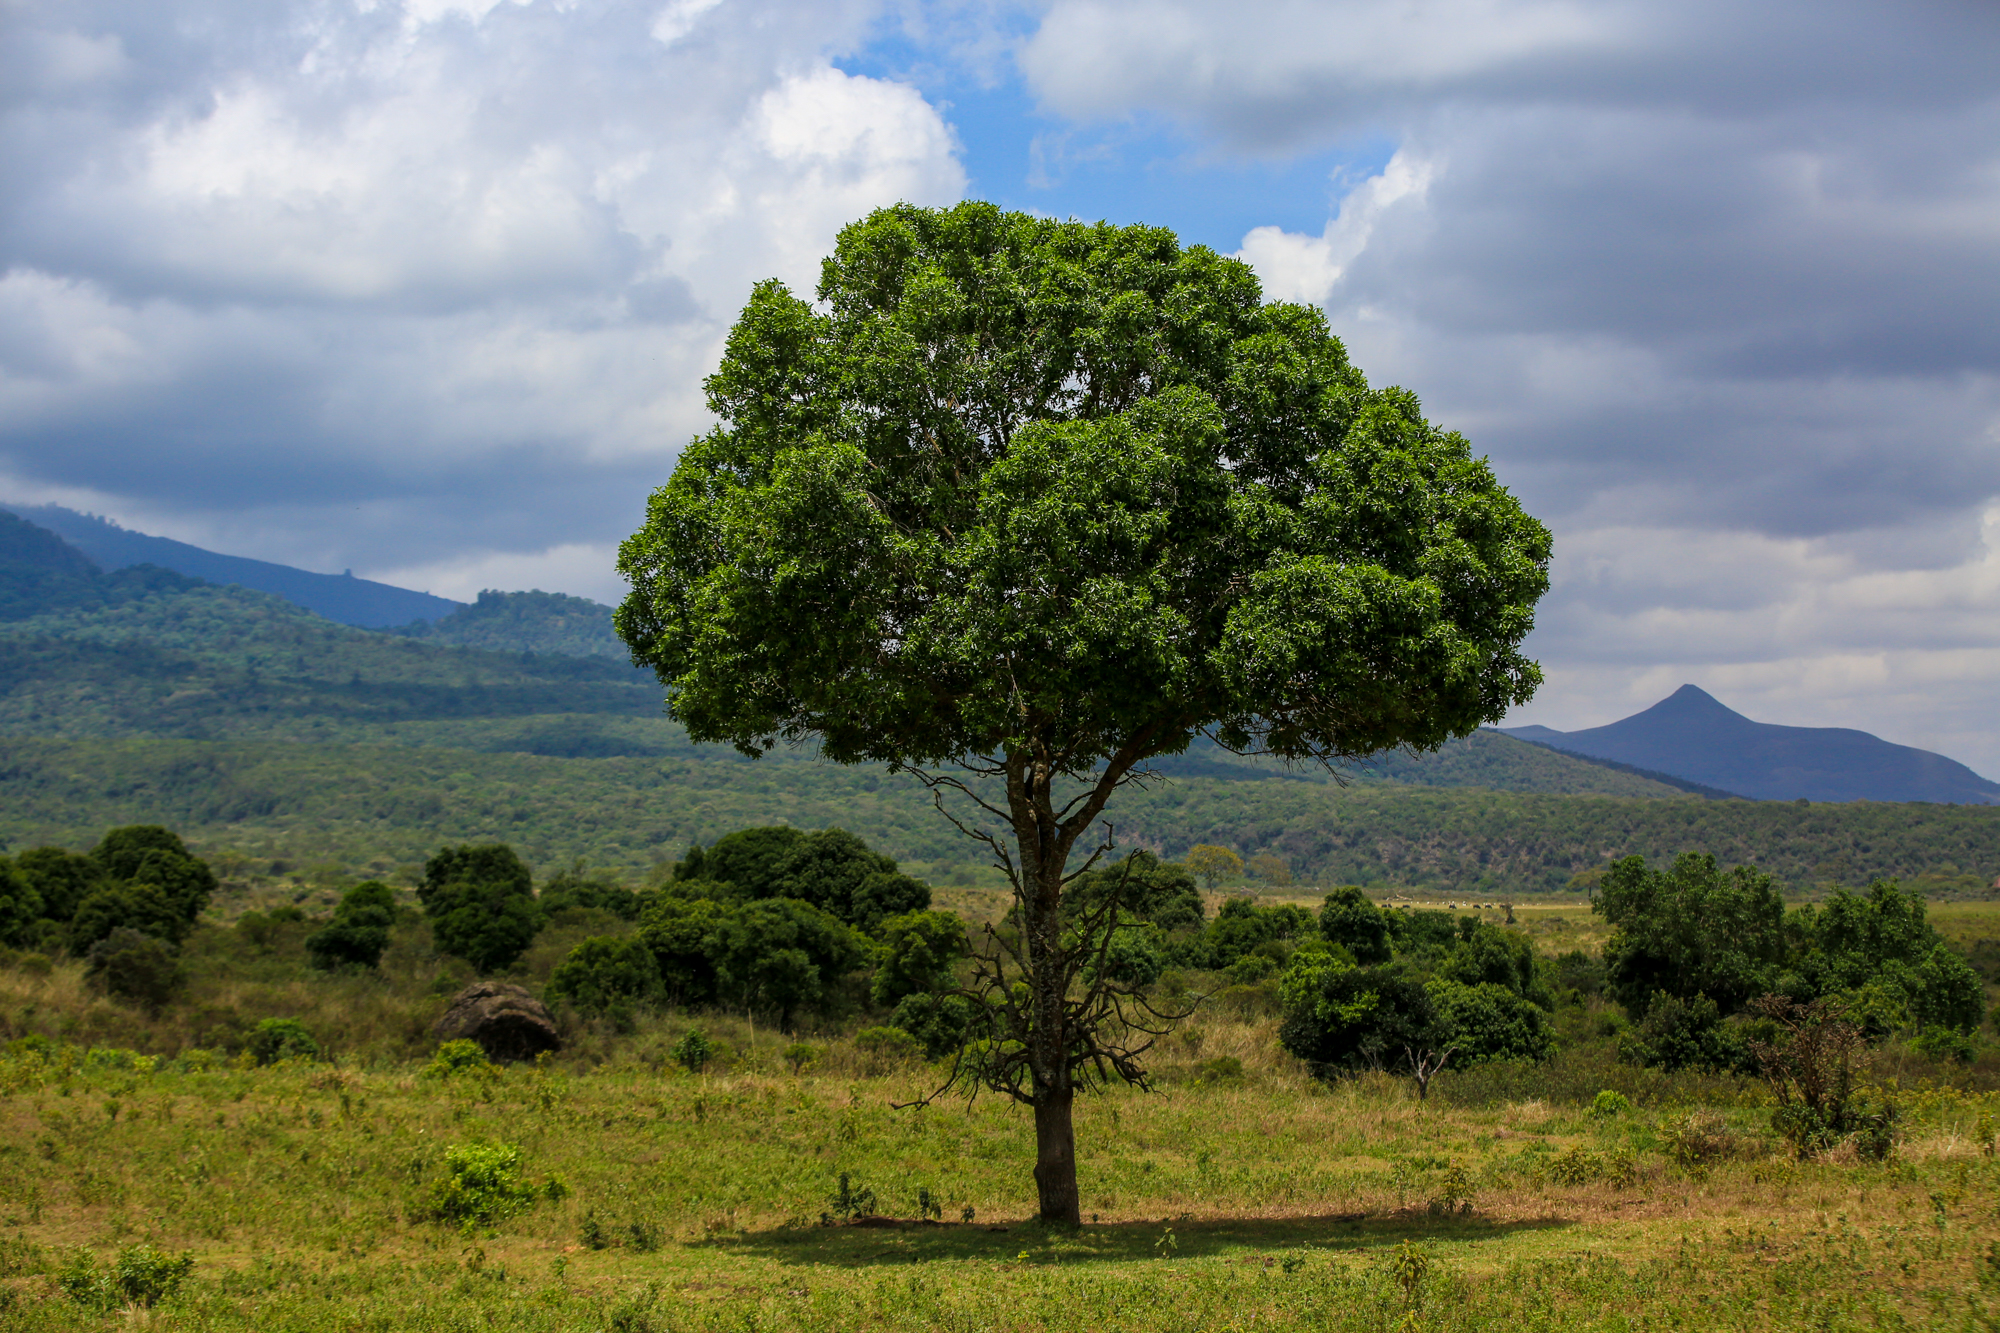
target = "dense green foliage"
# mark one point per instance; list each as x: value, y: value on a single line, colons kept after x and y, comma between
x: 359, y: 931
x: 1693, y: 947
x: 919, y: 954
x: 1691, y: 930
x: 481, y: 902
x: 1431, y: 993
x: 359, y: 803
x: 607, y: 974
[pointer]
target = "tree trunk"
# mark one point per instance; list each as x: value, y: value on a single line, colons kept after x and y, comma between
x: 1055, y: 1158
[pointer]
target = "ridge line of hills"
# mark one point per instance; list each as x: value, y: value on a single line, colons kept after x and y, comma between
x: 143, y: 695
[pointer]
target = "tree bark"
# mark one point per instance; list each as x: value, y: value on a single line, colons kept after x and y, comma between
x: 1055, y: 1158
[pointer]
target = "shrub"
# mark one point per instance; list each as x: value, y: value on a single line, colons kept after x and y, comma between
x: 20, y: 904
x: 1132, y: 955
x: 276, y: 1039
x: 1677, y: 1033
x: 459, y: 1056
x: 889, y: 1045
x: 138, y: 907
x: 849, y: 1200
x: 154, y: 859
x: 942, y: 1024
x: 692, y: 1052
x: 141, y: 1275
x: 131, y: 966
x: 359, y: 931
x: 918, y: 953
x: 607, y: 972
x: 482, y: 1184
x: 1696, y: 1139
x: 1810, y: 1069
x: 481, y: 903
x: 1943, y: 1043
x: 1608, y: 1104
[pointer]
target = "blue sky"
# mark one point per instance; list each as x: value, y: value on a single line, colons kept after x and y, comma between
x: 427, y: 288
x: 1140, y: 168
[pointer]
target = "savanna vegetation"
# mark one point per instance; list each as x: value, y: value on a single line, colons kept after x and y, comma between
x: 253, y: 1128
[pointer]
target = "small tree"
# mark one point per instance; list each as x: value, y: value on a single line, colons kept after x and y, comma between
x: 1348, y: 919
x: 919, y: 953
x: 20, y: 903
x: 1269, y: 869
x: 1020, y: 506
x: 149, y: 854
x: 1810, y: 1067
x: 62, y: 879
x: 1211, y: 864
x: 1693, y: 930
x: 481, y: 902
x: 135, y: 967
x: 607, y: 974
x: 359, y: 931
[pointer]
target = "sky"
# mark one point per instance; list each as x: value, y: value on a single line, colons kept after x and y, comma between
x: 427, y: 289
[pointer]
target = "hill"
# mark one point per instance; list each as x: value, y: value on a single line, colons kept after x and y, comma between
x: 1692, y: 735
x: 527, y: 622
x: 172, y: 657
x: 191, y: 660
x: 268, y: 732
x: 338, y: 597
x: 376, y: 807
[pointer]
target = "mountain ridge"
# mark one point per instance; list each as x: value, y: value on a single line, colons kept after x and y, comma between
x: 363, y: 603
x: 1693, y: 735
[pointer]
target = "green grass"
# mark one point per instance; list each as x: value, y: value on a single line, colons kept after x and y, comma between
x: 301, y: 1193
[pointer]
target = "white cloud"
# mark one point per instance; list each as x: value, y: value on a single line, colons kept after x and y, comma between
x: 1716, y: 299
x: 425, y: 263
x: 581, y: 569
x: 1293, y: 267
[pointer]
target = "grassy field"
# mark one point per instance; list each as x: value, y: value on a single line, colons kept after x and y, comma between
x: 671, y: 1201
x: 1240, y: 1194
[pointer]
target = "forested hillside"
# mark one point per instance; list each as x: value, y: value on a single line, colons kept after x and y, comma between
x: 390, y: 805
x: 260, y: 728
x: 527, y: 622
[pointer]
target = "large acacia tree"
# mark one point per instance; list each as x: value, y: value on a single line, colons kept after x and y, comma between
x: 1033, y: 503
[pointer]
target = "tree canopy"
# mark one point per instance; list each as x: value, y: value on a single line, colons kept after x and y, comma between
x: 1042, y: 501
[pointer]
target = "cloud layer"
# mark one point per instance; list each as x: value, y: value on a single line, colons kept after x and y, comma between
x: 427, y: 287
x: 1713, y: 284
x: 418, y: 284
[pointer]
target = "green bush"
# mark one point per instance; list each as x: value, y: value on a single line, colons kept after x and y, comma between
x: 692, y: 1052
x: 918, y: 953
x: 942, y: 1024
x: 459, y: 1056
x: 141, y: 1275
x: 482, y: 1185
x: 888, y: 1044
x: 1943, y: 1043
x: 20, y: 904
x: 1349, y: 919
x: 131, y: 966
x: 276, y: 1039
x: 1609, y: 1104
x: 607, y: 972
x: 359, y: 931
x: 481, y: 903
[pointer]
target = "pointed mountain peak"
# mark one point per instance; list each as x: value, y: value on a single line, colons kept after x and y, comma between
x: 1691, y: 697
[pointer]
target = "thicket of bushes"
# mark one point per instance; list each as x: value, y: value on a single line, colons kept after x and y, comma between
x: 1707, y: 976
